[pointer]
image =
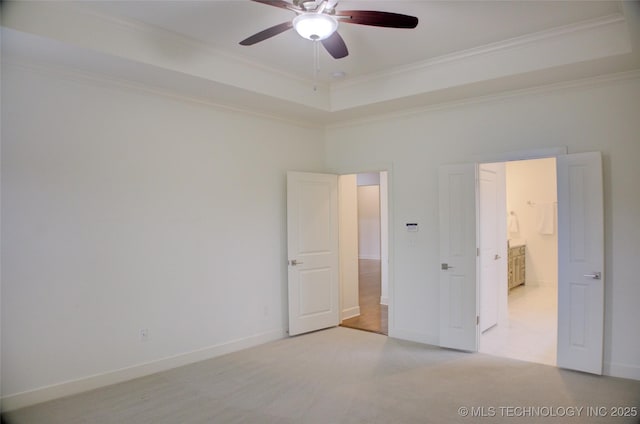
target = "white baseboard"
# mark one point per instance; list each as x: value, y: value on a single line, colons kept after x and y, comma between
x: 43, y: 394
x: 373, y: 257
x: 622, y: 370
x: 351, y: 312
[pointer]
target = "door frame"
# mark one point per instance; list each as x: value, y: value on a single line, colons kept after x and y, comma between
x: 388, y: 168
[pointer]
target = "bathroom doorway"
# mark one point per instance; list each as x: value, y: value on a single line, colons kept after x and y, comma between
x: 522, y: 298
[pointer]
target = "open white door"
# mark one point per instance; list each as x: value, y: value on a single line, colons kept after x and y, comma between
x: 492, y: 232
x: 458, y: 304
x: 580, y: 262
x: 312, y: 244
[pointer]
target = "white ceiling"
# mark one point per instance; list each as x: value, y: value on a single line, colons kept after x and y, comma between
x: 459, y: 49
x: 444, y: 27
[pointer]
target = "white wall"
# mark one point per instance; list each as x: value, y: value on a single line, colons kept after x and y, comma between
x: 124, y: 210
x: 368, y: 178
x: 1, y: 312
x: 348, y: 205
x: 601, y: 116
x: 530, y: 184
x: 384, y: 238
x: 369, y: 215
x: 369, y: 222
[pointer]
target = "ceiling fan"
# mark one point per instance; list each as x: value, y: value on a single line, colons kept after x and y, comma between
x: 318, y: 20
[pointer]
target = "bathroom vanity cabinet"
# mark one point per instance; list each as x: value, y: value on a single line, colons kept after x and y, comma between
x: 517, y: 266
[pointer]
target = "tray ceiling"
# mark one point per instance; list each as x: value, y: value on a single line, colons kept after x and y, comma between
x: 459, y: 49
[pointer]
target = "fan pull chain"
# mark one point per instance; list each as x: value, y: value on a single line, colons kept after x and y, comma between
x: 316, y: 64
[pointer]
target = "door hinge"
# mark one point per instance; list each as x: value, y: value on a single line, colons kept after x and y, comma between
x: 477, y: 319
x: 477, y: 251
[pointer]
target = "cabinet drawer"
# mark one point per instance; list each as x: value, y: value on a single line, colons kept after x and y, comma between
x: 517, y: 251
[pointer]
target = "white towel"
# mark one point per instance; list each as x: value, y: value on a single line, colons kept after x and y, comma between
x: 513, y: 225
x: 546, y: 218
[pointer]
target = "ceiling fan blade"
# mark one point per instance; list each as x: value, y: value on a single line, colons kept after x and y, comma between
x: 376, y: 18
x: 335, y: 46
x: 267, y: 33
x: 278, y: 3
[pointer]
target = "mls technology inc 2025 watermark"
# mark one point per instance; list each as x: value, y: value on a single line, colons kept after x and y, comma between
x: 548, y: 411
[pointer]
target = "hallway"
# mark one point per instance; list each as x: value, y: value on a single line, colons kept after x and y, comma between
x: 373, y: 316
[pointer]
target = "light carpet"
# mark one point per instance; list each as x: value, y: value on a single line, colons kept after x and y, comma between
x: 345, y: 376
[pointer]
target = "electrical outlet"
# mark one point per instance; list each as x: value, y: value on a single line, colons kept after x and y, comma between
x: 144, y: 334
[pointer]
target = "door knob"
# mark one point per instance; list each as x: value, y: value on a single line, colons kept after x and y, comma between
x: 295, y: 262
x: 445, y: 267
x: 595, y: 275
x: 496, y: 257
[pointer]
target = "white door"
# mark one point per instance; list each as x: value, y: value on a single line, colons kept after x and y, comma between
x: 458, y: 305
x: 312, y: 249
x: 580, y: 262
x: 492, y: 242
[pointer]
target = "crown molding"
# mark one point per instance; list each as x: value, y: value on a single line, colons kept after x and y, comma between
x: 192, y: 43
x: 579, y: 43
x: 491, y: 98
x: 310, y: 121
x: 511, y: 43
x: 126, y: 43
x: 71, y: 24
x: 78, y: 76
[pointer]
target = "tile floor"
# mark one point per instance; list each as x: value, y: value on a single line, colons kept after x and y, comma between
x: 531, y: 332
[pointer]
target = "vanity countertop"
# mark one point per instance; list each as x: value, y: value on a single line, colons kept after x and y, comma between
x: 517, y: 242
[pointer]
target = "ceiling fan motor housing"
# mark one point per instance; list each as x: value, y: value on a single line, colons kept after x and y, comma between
x: 315, y: 26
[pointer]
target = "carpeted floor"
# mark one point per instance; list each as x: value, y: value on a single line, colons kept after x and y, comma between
x: 342, y: 375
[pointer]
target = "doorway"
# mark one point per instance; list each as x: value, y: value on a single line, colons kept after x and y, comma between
x: 580, y: 257
x: 363, y: 247
x: 518, y: 277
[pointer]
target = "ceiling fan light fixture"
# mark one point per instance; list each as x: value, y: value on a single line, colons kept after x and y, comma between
x: 315, y: 26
